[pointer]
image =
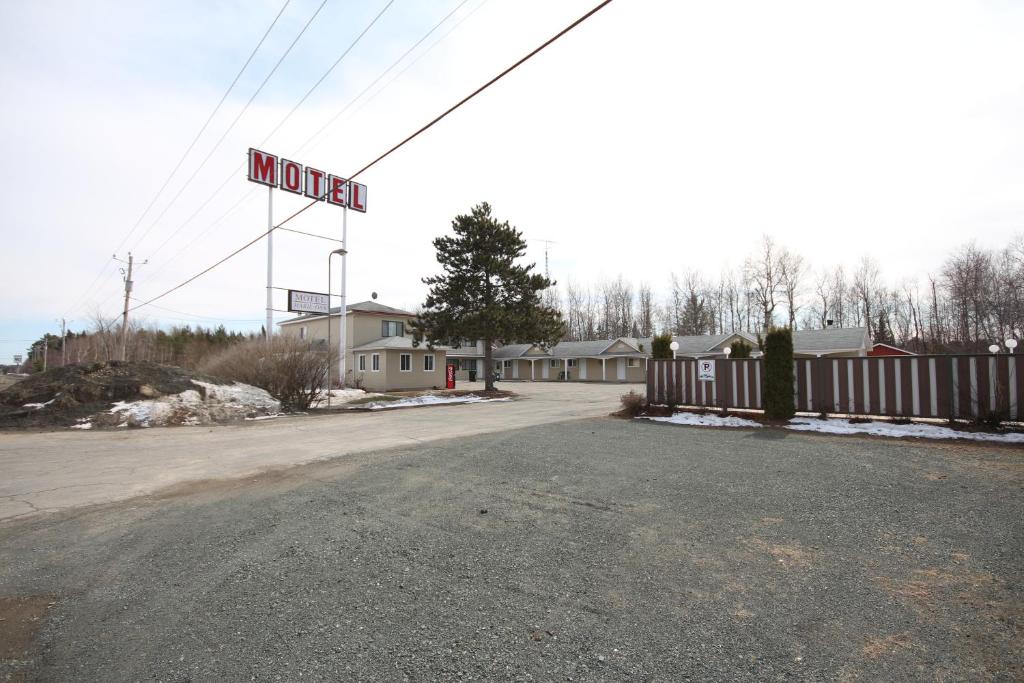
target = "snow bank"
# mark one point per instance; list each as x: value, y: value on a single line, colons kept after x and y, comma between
x: 430, y: 400
x: 338, y: 397
x: 921, y: 431
x: 708, y: 420
x: 215, y: 403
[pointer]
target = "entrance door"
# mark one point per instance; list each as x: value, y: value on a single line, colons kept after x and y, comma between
x: 621, y: 369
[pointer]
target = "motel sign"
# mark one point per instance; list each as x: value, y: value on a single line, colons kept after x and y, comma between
x: 291, y: 176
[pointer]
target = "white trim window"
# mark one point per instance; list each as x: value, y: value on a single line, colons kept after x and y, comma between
x: 428, y: 362
x: 632, y: 362
x: 375, y: 362
x: 392, y: 328
x: 508, y: 365
x: 572, y: 362
x: 554, y: 363
x: 405, y: 362
x: 362, y: 362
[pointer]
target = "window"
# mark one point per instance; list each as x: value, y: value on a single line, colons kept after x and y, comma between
x: 632, y: 362
x: 362, y: 362
x: 572, y: 362
x: 392, y: 328
x: 405, y: 362
x: 508, y: 364
x: 302, y: 332
x: 428, y: 362
x: 497, y: 366
x: 554, y: 362
x: 375, y: 362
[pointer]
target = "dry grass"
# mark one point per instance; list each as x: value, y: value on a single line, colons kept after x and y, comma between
x: 294, y: 371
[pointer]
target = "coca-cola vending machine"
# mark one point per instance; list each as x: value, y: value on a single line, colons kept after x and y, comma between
x: 450, y: 377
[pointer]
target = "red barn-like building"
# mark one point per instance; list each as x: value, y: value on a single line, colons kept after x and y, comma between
x: 880, y: 349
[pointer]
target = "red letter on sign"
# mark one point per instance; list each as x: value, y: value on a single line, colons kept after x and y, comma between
x: 357, y: 197
x: 336, y: 190
x: 262, y: 167
x: 291, y: 176
x: 316, y: 185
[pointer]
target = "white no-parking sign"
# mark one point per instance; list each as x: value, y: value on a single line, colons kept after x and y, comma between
x: 706, y: 370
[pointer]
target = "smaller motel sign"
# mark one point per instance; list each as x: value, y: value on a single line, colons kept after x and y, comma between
x: 291, y: 176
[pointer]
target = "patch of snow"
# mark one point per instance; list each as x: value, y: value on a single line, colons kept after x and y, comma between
x: 339, y: 396
x: 916, y: 430
x: 707, y: 420
x: 216, y: 403
x: 39, y: 406
x: 83, y: 423
x: 430, y: 400
x: 262, y: 417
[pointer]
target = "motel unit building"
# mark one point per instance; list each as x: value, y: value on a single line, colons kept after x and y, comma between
x: 380, y: 355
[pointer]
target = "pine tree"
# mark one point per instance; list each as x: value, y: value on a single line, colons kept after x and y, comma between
x: 482, y: 293
x: 883, y: 331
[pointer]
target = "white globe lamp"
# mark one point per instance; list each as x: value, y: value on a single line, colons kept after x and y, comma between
x: 675, y: 347
x: 1011, y: 344
x: 994, y: 348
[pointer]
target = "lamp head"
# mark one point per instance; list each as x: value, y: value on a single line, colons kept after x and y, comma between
x: 674, y: 346
x: 1011, y: 343
x: 994, y: 348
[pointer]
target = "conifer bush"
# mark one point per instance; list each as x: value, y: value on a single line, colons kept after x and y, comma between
x: 779, y: 403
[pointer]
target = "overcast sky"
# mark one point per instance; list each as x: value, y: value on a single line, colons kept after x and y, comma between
x: 658, y: 136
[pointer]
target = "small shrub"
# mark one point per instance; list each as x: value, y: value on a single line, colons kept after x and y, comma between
x: 992, y: 420
x: 779, y: 403
x: 740, y: 349
x: 661, y: 346
x: 633, y: 404
x: 292, y: 370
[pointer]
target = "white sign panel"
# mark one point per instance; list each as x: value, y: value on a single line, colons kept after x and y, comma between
x: 706, y: 370
x: 308, y: 302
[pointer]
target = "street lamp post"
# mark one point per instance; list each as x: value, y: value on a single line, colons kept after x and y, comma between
x: 1011, y: 344
x: 675, y: 347
x: 341, y: 347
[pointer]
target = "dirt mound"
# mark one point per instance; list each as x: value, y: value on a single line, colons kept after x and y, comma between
x: 63, y: 396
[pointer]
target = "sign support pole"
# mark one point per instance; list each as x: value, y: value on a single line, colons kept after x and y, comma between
x: 270, y: 264
x: 343, y: 309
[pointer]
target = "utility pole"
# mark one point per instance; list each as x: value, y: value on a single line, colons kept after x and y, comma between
x: 127, y: 295
x: 63, y: 342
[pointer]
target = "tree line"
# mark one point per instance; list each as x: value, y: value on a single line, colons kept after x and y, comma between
x: 975, y: 298
x: 181, y: 345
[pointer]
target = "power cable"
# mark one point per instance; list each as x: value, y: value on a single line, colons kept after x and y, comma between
x: 386, y: 154
x: 276, y: 128
x: 230, y: 127
x: 241, y: 167
x: 177, y: 166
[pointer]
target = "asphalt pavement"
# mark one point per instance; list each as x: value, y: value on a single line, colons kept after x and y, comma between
x: 596, y: 549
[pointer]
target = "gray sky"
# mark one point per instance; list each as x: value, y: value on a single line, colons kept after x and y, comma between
x: 657, y: 137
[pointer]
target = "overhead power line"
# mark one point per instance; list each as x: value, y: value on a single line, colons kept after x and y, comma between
x: 231, y: 126
x: 231, y: 176
x: 177, y: 166
x: 388, y: 153
x: 276, y: 128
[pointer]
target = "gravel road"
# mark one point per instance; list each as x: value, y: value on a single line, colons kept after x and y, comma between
x: 598, y: 549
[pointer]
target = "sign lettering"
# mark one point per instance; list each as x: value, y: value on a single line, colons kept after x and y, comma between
x: 308, y: 302
x: 268, y: 169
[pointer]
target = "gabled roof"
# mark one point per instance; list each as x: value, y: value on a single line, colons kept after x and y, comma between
x: 512, y: 350
x: 699, y: 343
x: 580, y: 349
x: 360, y: 307
x: 832, y: 339
x: 402, y: 343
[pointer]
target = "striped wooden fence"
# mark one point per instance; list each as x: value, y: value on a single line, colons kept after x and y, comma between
x: 960, y: 386
x: 737, y: 383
